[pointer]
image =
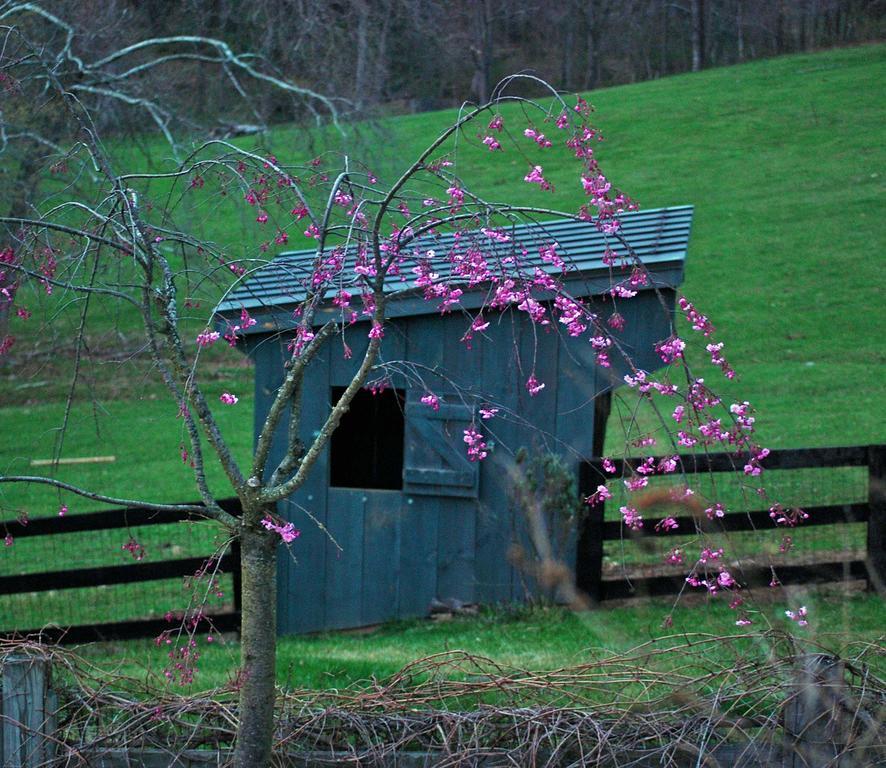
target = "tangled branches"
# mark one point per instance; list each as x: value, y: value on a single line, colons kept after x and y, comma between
x: 669, y: 702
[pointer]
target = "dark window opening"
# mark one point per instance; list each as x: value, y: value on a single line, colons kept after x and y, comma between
x: 366, y: 451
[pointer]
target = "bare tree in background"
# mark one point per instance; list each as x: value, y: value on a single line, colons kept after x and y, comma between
x: 698, y: 34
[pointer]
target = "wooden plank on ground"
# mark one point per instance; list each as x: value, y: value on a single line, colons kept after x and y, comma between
x: 73, y: 460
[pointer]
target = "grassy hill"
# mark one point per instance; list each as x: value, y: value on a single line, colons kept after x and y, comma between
x: 784, y: 161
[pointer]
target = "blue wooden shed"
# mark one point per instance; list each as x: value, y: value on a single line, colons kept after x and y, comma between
x: 413, y: 519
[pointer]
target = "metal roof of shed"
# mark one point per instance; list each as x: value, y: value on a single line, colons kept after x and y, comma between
x: 659, y: 237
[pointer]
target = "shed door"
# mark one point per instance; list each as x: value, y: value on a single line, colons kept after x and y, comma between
x: 435, y: 459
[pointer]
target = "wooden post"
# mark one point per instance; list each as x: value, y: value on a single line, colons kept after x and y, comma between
x: 589, y: 551
x: 27, y: 712
x: 876, y: 550
x: 815, y: 726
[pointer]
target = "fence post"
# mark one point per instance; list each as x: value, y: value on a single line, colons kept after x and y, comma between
x: 27, y: 712
x: 876, y: 542
x: 589, y: 549
x: 815, y: 719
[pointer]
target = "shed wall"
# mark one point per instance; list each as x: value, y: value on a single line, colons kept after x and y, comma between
x: 367, y: 556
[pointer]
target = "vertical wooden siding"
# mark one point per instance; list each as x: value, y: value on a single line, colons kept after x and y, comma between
x: 400, y: 550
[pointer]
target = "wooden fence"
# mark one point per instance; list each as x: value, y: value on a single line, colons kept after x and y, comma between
x: 596, y: 530
x: 818, y: 721
x: 116, y: 574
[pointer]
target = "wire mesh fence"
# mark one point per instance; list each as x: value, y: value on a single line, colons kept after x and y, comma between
x: 112, y: 573
x: 796, y: 488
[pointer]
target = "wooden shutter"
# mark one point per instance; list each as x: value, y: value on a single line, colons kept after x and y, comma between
x: 435, y: 458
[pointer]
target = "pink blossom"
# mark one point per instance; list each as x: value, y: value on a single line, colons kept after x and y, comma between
x: 708, y: 554
x: 63, y: 510
x: 635, y: 483
x: 207, y: 338
x: 799, y: 616
x: 488, y: 413
x: 667, y: 524
x: 608, y: 466
x: 477, y: 448
x: 599, y: 496
x: 228, y: 399
x: 616, y: 322
x: 631, y: 518
x: 492, y: 143
x: 134, y: 548
x: 456, y: 197
x: 533, y: 385
x: 376, y: 332
x: 621, y: 292
x: 725, y: 580
x: 431, y: 400
x: 536, y: 176
x: 288, y: 532
x: 668, y: 464
x: 743, y: 622
x: 675, y: 556
x: 716, y: 510
x: 8, y: 540
x: 647, y: 466
x: 671, y: 350
x: 494, y: 234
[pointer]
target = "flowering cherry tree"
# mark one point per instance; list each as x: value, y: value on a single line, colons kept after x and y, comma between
x: 108, y: 239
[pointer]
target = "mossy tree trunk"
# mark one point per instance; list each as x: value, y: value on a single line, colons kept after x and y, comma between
x: 258, y: 644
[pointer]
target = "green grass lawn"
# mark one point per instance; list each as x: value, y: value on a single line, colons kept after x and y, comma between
x: 784, y: 162
x: 536, y: 639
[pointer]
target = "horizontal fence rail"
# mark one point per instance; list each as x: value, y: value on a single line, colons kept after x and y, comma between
x: 596, y: 530
x: 128, y: 573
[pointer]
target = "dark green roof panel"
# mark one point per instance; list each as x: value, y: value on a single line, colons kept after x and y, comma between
x: 659, y: 237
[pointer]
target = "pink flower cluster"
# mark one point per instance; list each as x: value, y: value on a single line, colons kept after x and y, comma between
x: 538, y: 138
x: 536, y: 176
x: 477, y: 448
x: 631, y: 518
x: 533, y: 386
x: 599, y: 496
x: 288, y: 532
x: 431, y: 400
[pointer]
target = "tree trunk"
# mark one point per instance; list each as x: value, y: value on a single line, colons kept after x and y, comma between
x: 258, y: 646
x: 361, y: 74
x: 698, y: 41
x: 739, y: 28
x: 481, y: 51
x: 592, y: 67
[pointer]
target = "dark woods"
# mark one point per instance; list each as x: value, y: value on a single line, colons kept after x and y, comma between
x: 414, y: 55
